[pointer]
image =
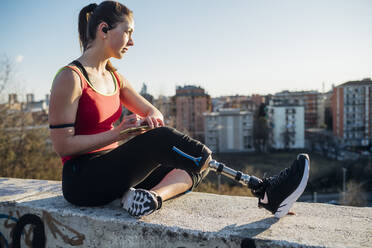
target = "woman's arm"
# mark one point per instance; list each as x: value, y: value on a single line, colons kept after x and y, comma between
x: 64, y: 101
x: 139, y: 105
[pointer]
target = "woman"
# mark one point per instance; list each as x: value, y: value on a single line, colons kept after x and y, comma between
x: 83, y: 108
x: 86, y: 100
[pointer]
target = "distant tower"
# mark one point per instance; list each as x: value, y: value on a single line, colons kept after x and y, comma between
x: 12, y: 99
x: 144, y: 89
x: 30, y: 98
x: 146, y: 95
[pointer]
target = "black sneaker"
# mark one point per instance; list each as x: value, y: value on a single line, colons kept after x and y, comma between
x: 139, y: 202
x: 284, y: 189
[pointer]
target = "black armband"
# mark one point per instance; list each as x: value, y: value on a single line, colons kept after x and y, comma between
x: 62, y: 125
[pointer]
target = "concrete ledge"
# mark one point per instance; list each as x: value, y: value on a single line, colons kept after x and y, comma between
x: 193, y: 220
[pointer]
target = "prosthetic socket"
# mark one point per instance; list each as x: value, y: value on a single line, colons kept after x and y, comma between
x: 253, y: 183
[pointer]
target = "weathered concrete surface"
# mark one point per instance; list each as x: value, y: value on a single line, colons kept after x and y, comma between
x: 193, y: 220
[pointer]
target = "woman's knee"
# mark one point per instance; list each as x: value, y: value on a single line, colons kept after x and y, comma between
x: 163, y: 131
x: 197, y: 178
x: 163, y: 134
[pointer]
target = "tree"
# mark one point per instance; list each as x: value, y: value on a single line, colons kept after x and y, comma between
x: 5, y: 73
x: 328, y: 119
x: 25, y: 149
x: 260, y: 130
x: 287, y: 138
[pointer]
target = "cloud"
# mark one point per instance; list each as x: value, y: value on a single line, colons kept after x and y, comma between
x: 19, y: 58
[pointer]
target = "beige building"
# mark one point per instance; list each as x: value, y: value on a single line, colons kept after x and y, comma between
x: 308, y: 99
x: 13, y: 103
x: 229, y: 130
x: 247, y: 103
x: 191, y: 102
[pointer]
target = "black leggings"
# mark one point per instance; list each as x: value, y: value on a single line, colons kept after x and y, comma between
x: 96, y: 179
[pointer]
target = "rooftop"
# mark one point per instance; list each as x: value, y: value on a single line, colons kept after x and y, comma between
x: 365, y: 81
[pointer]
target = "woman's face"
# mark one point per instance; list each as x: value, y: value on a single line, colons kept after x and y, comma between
x: 120, y: 38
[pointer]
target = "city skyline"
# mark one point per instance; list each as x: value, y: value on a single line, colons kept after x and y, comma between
x: 227, y: 48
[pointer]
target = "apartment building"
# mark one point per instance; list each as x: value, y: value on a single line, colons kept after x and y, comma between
x: 352, y: 112
x: 287, y: 125
x: 37, y: 111
x: 191, y: 102
x: 309, y: 99
x: 13, y: 103
x: 247, y: 103
x: 30, y: 105
x: 229, y: 130
x: 36, y: 106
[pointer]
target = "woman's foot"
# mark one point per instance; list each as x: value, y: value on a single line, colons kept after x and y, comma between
x: 140, y: 202
x: 281, y: 191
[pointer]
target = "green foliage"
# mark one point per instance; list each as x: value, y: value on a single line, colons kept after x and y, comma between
x: 24, y: 150
x: 260, y: 134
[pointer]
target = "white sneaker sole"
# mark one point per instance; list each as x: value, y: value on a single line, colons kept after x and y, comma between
x: 139, y: 202
x: 292, y: 198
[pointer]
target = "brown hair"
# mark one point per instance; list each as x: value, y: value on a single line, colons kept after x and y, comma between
x: 110, y: 12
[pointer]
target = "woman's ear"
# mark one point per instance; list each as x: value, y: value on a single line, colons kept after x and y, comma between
x: 102, y: 29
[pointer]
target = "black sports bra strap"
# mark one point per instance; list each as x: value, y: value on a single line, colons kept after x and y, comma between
x: 81, y: 67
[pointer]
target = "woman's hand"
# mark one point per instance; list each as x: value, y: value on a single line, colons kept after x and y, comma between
x: 154, y: 119
x: 129, y: 121
x: 138, y: 104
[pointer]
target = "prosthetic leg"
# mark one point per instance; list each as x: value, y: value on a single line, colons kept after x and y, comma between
x: 276, y: 194
x: 252, y: 182
x: 281, y: 191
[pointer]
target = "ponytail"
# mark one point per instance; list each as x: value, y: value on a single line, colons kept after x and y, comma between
x: 84, y: 17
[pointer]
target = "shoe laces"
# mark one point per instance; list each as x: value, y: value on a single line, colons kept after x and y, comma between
x: 275, y: 180
x: 269, y: 182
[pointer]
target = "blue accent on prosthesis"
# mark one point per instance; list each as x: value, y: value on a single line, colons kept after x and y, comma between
x: 196, y: 160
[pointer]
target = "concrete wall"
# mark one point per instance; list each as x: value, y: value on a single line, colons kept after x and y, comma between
x: 193, y: 220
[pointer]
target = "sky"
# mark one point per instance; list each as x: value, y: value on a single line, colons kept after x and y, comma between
x: 228, y: 47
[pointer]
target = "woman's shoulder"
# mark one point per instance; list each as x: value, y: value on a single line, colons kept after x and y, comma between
x: 67, y: 78
x: 122, y: 80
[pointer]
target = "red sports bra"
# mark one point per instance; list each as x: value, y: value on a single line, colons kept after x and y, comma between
x: 96, y: 111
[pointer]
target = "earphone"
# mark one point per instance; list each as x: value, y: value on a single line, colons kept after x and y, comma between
x: 105, y: 29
